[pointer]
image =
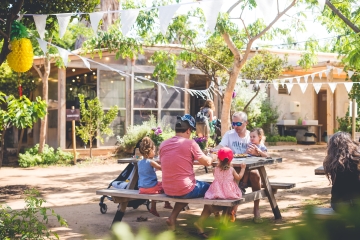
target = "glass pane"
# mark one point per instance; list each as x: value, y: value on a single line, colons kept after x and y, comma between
x: 52, y: 128
x: 145, y: 93
x: 143, y: 115
x: 118, y: 127
x: 112, y: 89
x: 172, y: 98
x: 168, y: 118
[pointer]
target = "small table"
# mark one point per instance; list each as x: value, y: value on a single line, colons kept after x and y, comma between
x: 258, y: 163
x: 282, y: 128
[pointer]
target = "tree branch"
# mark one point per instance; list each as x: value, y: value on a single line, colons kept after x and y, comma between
x: 231, y: 46
x: 342, y: 17
x: 38, y: 70
x: 233, y: 6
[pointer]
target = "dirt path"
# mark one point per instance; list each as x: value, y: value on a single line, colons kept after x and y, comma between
x: 70, y: 191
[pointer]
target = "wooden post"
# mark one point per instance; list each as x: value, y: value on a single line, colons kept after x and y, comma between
x: 73, y: 137
x: 354, y: 115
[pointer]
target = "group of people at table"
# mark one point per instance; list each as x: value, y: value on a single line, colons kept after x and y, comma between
x: 177, y: 156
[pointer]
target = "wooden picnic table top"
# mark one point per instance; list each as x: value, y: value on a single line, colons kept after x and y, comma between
x: 320, y: 171
x: 251, y: 162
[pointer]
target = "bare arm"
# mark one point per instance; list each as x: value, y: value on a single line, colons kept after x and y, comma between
x: 255, y: 151
x: 155, y: 165
x: 211, y: 114
x: 239, y: 176
x: 205, y: 160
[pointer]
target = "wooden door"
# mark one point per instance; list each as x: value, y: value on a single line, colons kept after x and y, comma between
x: 322, y: 110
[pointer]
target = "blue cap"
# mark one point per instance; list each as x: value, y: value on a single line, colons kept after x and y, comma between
x: 188, y: 118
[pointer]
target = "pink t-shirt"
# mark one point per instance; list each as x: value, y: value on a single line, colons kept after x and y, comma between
x: 177, y: 156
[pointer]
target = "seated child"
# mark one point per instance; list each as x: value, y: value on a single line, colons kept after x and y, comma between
x: 148, y: 183
x: 223, y: 187
x: 257, y: 139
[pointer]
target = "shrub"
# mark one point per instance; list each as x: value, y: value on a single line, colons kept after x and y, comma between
x: 278, y: 138
x: 32, y: 157
x: 28, y: 223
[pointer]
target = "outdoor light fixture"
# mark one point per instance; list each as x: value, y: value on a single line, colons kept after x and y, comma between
x: 112, y: 81
x: 77, y: 77
x: 85, y: 75
x: 73, y: 80
x: 122, y: 78
x: 32, y: 81
x: 93, y: 73
x: 70, y: 89
x: 107, y: 58
x: 73, y: 69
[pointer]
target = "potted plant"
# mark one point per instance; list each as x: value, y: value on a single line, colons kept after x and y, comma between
x: 201, y: 141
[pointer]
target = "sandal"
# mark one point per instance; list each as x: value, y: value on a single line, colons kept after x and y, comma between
x: 203, y: 235
x: 154, y: 212
x: 232, y: 216
x: 141, y: 219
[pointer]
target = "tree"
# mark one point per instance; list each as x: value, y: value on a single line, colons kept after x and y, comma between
x: 20, y: 113
x: 94, y: 122
x: 229, y: 61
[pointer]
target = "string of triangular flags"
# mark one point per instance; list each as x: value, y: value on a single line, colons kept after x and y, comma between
x: 64, y: 54
x: 211, y: 9
x: 289, y: 82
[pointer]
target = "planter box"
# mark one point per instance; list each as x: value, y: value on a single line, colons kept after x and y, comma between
x: 279, y: 143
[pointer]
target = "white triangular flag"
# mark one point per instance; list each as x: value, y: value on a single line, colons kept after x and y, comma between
x: 276, y: 86
x: 289, y: 79
x: 329, y: 67
x: 95, y: 19
x: 332, y: 86
x: 339, y: 70
x: 166, y: 13
x: 211, y: 11
x: 303, y: 87
x: 128, y: 18
x: 306, y: 77
x: 317, y: 87
x: 327, y: 72
x: 348, y: 86
x: 320, y: 75
x: 267, y: 10
x: 64, y: 54
x: 257, y: 81
x: 289, y: 86
x: 40, y: 23
x: 63, y: 20
x: 282, y: 81
x: 312, y: 76
x: 298, y: 79
x: 43, y: 45
x: 247, y: 81
x: 86, y: 62
x: 350, y: 73
x: 321, y: 4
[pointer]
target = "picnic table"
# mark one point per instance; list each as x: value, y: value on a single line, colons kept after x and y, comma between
x: 259, y: 163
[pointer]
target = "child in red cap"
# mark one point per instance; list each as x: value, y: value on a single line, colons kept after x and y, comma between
x: 223, y: 186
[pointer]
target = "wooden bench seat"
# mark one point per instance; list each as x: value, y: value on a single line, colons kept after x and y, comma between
x: 122, y: 195
x: 323, y: 213
x: 320, y: 171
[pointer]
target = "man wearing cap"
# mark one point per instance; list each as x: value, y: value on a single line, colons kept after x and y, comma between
x: 177, y: 156
x: 238, y: 139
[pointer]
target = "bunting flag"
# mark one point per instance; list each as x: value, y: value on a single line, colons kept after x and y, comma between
x: 327, y: 72
x: 303, y: 87
x: 289, y: 86
x: 348, y: 86
x: 289, y: 79
x: 211, y: 11
x: 321, y: 4
x: 86, y: 63
x: 317, y: 87
x: 320, y: 75
x: 165, y: 15
x: 268, y: 9
x: 247, y: 81
x: 95, y: 19
x: 128, y: 18
x: 306, y: 77
x: 40, y: 23
x: 332, y: 86
x: 350, y: 73
x: 339, y: 70
x: 298, y: 79
x: 282, y: 81
x: 312, y: 76
x: 43, y: 45
x: 63, y: 21
x: 64, y: 54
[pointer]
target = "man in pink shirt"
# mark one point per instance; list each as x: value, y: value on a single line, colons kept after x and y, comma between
x: 177, y: 156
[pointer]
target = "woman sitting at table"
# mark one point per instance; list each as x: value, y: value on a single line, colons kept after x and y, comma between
x: 341, y: 166
x: 148, y: 183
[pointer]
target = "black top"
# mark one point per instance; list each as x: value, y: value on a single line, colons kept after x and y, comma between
x: 346, y: 186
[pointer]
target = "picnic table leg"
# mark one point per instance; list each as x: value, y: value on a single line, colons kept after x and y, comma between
x: 269, y: 193
x: 120, y: 212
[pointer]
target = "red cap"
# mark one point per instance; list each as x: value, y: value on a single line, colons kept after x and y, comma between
x: 225, y: 152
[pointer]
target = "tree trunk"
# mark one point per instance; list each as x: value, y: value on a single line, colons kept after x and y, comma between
x: 91, y: 148
x: 109, y: 18
x: 20, y: 142
x: 2, y: 147
x: 43, y: 125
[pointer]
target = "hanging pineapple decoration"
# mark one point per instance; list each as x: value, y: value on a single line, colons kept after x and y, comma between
x: 20, y: 59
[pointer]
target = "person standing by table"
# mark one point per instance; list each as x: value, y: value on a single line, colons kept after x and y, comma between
x: 177, y: 156
x: 238, y: 139
x: 223, y: 187
x: 203, y: 126
x: 148, y: 183
x: 342, y: 168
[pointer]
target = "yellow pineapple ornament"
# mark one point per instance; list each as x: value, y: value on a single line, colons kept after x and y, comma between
x: 20, y: 59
